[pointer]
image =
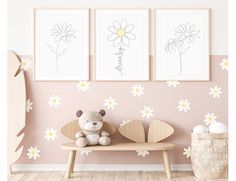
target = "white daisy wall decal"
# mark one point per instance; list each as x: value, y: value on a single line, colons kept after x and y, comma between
x: 215, y: 91
x: 50, y: 134
x: 121, y: 33
x: 172, y: 83
x: 33, y: 152
x: 110, y: 103
x: 147, y: 112
x: 85, y: 152
x: 83, y: 86
x: 187, y: 152
x: 142, y: 153
x: 29, y: 105
x: 124, y: 122
x: 210, y: 118
x: 54, y: 101
x: 224, y: 64
x: 25, y: 64
x: 183, y: 105
x: 137, y: 90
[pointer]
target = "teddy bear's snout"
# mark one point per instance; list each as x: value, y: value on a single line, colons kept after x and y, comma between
x: 94, y: 123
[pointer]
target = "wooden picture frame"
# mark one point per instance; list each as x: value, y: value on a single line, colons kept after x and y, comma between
x: 120, y: 34
x: 182, y: 45
x: 61, y: 46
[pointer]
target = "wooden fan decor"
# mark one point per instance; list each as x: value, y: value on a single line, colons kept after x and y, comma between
x: 134, y: 131
x: 158, y: 131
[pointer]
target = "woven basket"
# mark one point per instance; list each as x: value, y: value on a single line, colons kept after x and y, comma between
x: 209, y: 155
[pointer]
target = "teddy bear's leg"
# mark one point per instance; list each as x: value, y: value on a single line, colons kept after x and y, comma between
x: 81, y: 142
x: 104, y: 140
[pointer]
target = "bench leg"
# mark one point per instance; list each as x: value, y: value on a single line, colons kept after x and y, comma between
x: 166, y: 164
x: 70, y: 164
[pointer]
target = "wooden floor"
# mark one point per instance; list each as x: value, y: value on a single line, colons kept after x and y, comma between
x: 105, y: 176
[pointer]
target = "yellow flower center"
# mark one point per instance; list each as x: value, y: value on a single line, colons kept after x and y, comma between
x: 82, y: 84
x: 121, y: 32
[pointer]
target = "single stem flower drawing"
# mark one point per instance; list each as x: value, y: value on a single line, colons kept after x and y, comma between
x: 62, y: 34
x: 121, y: 35
x: 185, y: 35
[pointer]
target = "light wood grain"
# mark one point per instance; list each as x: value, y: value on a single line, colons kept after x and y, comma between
x: 107, y: 176
x: 70, y: 129
x: 133, y: 131
x: 70, y: 164
x: 121, y: 147
x: 16, y: 108
x: 159, y: 130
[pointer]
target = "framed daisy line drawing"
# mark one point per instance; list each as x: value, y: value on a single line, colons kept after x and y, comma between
x: 61, y: 45
x: 182, y: 45
x: 121, y: 45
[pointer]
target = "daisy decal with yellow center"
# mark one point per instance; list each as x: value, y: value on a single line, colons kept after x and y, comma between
x: 183, y: 105
x: 215, y: 91
x: 33, y: 152
x: 147, y: 112
x: 210, y: 118
x: 25, y: 64
x: 50, y: 134
x: 54, y: 101
x: 110, y: 103
x: 224, y: 64
x: 83, y: 86
x: 137, y: 90
x: 187, y: 152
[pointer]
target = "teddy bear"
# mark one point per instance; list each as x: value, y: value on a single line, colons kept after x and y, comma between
x: 91, y: 132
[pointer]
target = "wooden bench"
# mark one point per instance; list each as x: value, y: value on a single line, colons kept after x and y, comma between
x: 71, y: 128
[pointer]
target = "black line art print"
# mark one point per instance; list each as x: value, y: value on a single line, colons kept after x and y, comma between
x: 185, y: 36
x: 62, y: 34
x: 121, y: 35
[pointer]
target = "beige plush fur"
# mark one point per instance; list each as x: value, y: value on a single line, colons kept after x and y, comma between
x: 91, y: 124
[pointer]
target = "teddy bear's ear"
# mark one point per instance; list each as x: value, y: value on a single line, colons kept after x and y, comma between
x: 102, y: 112
x: 79, y: 113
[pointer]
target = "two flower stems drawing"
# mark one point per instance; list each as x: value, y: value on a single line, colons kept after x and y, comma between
x: 121, y: 35
x: 185, y: 36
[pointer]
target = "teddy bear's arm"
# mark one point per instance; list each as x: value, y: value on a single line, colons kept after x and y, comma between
x: 105, y: 133
x: 79, y: 134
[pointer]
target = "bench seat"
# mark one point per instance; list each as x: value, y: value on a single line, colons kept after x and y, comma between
x: 164, y: 147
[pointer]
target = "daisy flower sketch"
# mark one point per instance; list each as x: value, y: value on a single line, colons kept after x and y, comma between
x: 187, y: 152
x: 147, y: 112
x: 33, y: 152
x: 50, y: 134
x: 137, y: 90
x: 215, y: 91
x: 210, y: 118
x: 120, y: 34
x: 183, y: 105
x: 62, y: 34
x: 185, y: 35
x: 29, y: 105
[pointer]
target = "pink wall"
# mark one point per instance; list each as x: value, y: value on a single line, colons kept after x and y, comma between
x: 157, y: 95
